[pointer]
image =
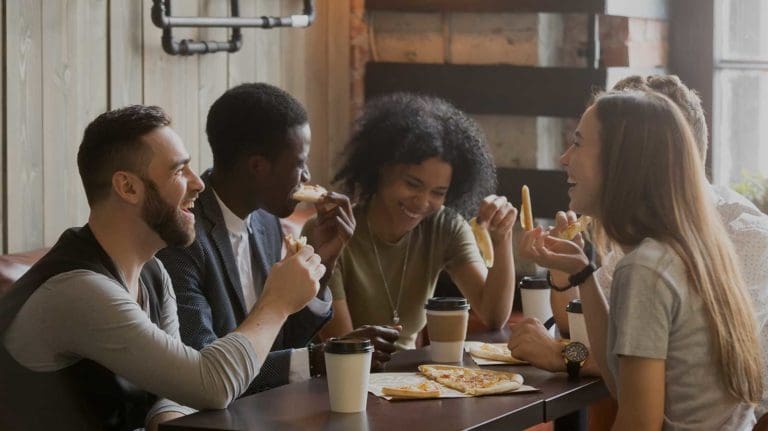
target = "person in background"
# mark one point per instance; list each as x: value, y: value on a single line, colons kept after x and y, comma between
x: 677, y: 347
x: 89, y: 335
x: 418, y: 166
x: 260, y: 140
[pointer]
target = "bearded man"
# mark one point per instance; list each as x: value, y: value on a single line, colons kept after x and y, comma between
x: 89, y: 336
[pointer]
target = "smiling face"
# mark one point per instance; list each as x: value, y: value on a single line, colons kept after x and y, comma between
x: 171, y: 188
x: 582, y: 163
x: 408, y: 193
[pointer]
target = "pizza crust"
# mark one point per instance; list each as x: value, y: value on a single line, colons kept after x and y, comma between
x: 526, y: 212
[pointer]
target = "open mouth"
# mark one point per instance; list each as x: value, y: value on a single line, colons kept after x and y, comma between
x: 187, y: 208
x: 409, y: 214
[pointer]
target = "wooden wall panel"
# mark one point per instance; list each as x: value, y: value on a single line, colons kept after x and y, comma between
x: 339, y: 81
x: 69, y: 60
x: 24, y: 137
x: 74, y: 93
x: 125, y: 53
x: 213, y: 77
x: 259, y: 59
x: 172, y: 81
x: 305, y: 73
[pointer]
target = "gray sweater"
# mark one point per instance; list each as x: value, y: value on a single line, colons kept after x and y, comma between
x: 81, y: 314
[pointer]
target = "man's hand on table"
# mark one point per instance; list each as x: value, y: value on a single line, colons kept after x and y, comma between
x: 529, y: 341
x: 382, y: 337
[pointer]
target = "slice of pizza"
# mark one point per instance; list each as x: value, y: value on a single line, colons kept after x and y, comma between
x: 483, y: 240
x: 422, y: 390
x: 473, y: 381
x: 575, y: 228
x: 293, y: 245
x: 495, y: 352
x: 309, y: 193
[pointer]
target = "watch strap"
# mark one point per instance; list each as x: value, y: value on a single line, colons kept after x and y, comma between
x: 573, y: 368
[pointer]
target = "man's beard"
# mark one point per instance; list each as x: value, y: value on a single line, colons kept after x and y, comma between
x: 166, y: 220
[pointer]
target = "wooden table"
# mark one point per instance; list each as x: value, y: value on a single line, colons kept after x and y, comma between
x: 305, y: 405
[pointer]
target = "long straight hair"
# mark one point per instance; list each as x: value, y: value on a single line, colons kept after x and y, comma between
x: 654, y: 186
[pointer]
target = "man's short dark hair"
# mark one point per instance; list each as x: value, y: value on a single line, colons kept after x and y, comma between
x: 250, y: 119
x: 112, y: 142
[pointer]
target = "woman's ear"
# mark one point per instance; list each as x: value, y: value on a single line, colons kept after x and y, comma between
x: 128, y: 187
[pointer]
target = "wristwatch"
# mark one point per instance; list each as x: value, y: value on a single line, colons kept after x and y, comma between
x: 574, y: 355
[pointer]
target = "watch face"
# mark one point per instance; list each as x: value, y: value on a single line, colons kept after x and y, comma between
x: 576, y: 352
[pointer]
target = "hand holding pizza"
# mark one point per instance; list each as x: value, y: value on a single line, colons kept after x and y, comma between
x: 335, y: 226
x: 551, y: 252
x: 497, y: 215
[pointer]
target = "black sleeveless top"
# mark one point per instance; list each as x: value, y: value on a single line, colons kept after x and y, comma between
x: 86, y: 395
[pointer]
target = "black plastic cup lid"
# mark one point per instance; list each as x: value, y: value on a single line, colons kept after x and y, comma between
x: 574, y: 306
x: 348, y: 345
x: 447, y: 304
x: 534, y: 283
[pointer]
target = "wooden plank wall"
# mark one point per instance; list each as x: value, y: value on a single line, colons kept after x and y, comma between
x: 69, y: 60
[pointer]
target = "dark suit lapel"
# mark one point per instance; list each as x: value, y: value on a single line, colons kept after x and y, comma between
x: 260, y: 252
x: 220, y: 237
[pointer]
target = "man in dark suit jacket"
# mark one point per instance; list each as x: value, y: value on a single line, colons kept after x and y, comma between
x: 260, y: 140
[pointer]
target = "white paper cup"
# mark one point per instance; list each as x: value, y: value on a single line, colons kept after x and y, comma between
x: 534, y: 293
x: 447, y: 320
x: 577, y: 328
x: 348, y: 368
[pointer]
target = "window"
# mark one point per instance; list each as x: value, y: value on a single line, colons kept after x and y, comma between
x: 740, y: 105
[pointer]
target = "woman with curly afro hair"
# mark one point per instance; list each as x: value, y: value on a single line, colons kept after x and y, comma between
x: 417, y: 167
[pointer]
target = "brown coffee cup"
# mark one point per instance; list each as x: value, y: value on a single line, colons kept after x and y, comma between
x: 447, y: 319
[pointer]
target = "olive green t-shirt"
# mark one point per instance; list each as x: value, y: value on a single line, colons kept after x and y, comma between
x: 443, y: 240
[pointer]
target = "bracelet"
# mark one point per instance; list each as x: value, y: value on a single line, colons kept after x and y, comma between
x: 552, y: 285
x: 582, y: 276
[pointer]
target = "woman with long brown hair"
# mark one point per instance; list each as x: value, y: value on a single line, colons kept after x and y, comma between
x: 679, y: 345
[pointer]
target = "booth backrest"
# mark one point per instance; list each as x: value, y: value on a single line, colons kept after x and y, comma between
x: 13, y: 266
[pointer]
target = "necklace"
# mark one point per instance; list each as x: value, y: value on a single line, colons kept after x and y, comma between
x: 395, y: 307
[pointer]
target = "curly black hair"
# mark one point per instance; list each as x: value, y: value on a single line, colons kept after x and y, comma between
x: 251, y: 118
x: 409, y: 128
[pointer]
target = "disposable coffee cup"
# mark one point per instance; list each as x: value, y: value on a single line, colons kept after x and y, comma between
x: 535, y: 295
x: 447, y: 319
x: 577, y: 329
x: 348, y: 368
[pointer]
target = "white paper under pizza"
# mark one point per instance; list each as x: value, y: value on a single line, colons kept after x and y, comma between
x: 378, y: 381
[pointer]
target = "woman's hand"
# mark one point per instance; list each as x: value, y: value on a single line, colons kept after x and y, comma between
x: 562, y: 220
x: 553, y: 253
x: 499, y: 216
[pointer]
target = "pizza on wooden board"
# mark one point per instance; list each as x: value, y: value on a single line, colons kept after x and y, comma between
x: 473, y: 381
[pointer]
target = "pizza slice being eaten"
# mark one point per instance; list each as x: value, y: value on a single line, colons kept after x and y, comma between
x: 422, y: 390
x: 473, y: 381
